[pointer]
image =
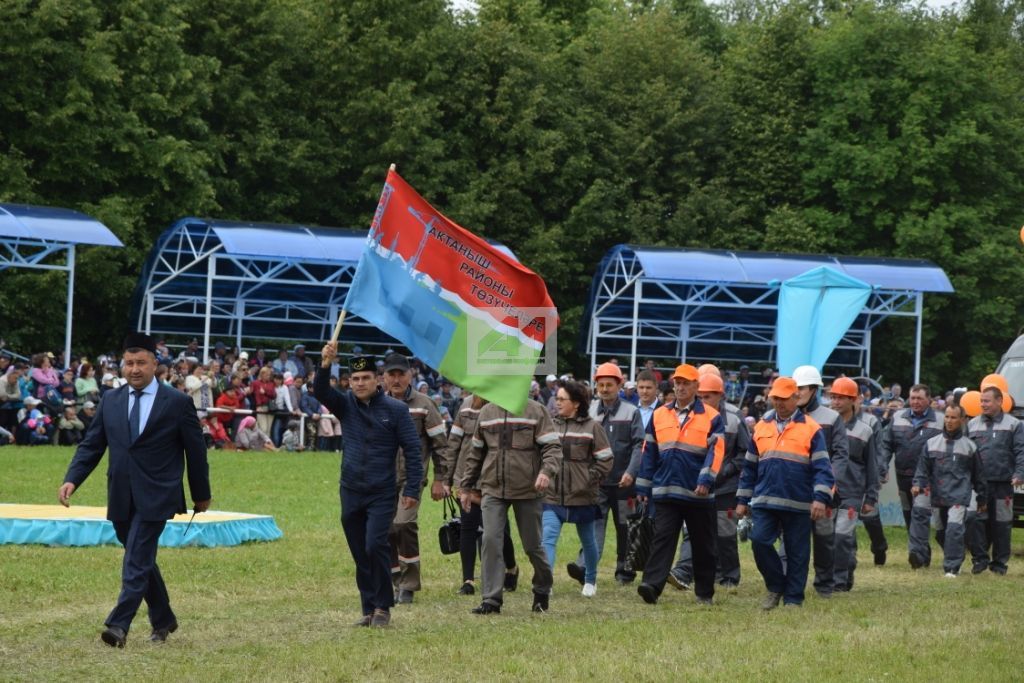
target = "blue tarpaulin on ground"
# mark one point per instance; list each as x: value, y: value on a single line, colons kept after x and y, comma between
x: 816, y: 309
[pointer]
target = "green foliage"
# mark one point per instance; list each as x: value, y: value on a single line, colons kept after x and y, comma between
x: 560, y: 127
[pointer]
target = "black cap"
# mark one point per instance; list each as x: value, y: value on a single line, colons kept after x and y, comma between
x: 138, y: 340
x: 361, y: 364
x: 395, y: 361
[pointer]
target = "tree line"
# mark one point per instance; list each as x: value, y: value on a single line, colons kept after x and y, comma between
x: 559, y: 127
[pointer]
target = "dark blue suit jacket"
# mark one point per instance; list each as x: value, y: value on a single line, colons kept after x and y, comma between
x: 149, y: 472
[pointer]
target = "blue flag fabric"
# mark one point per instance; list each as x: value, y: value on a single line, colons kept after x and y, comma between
x: 816, y: 309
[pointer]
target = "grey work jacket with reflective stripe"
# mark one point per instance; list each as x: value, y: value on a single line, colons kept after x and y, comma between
x: 1000, y: 443
x: 949, y: 468
x: 857, y: 479
x: 625, y: 431
x: 737, y: 440
x: 902, y: 440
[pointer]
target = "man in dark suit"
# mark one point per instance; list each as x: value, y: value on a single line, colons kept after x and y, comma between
x: 147, y: 427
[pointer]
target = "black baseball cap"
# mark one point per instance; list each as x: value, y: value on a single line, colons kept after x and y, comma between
x: 395, y: 361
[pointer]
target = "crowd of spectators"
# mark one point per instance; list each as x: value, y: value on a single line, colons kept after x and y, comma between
x: 264, y: 401
x: 258, y: 401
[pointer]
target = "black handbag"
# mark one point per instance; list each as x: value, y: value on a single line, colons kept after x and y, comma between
x: 450, y: 533
x: 640, y: 538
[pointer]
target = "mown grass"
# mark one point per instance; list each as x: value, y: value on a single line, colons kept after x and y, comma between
x: 281, y: 611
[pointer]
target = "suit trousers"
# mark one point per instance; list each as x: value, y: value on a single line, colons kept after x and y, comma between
x: 140, y: 577
x: 366, y: 518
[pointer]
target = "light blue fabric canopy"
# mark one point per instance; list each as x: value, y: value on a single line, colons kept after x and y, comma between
x: 816, y: 309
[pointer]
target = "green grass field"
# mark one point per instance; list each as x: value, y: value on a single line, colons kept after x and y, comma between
x: 282, y: 611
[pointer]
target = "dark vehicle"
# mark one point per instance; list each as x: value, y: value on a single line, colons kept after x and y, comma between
x: 1012, y: 368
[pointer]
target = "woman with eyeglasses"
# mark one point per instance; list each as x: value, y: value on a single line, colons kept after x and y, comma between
x: 573, y: 492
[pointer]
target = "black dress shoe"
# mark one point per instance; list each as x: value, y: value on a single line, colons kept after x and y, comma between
x: 648, y: 593
x: 511, y: 579
x: 114, y: 636
x: 159, y: 635
x: 365, y: 621
x: 487, y: 608
x: 576, y: 572
x: 467, y: 588
x: 540, y: 602
x: 880, y: 558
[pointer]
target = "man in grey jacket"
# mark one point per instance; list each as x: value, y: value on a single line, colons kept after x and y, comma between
x: 1000, y: 441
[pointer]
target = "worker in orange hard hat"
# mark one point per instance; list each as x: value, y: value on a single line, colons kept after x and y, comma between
x: 856, y: 484
x: 625, y: 431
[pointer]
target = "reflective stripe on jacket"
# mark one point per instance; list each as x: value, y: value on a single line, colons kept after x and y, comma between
x: 624, y: 427
x: 679, y: 458
x: 789, y: 470
x: 460, y: 441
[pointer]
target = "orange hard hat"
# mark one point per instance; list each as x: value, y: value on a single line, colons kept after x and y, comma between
x: 782, y: 387
x: 686, y: 372
x: 608, y: 370
x: 711, y: 383
x: 708, y: 369
x: 844, y: 386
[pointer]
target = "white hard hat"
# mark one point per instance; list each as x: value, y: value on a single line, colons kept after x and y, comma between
x: 806, y: 375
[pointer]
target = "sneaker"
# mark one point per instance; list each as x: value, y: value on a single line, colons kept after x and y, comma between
x: 648, y: 593
x: 589, y: 590
x: 880, y: 558
x: 540, y: 602
x: 950, y: 575
x: 467, y: 588
x: 576, y: 572
x: 487, y: 608
x: 365, y: 621
x: 771, y: 601
x: 511, y: 579
x: 381, y: 618
x: 678, y: 583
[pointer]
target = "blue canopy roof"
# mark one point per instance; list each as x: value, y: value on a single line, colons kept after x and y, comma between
x: 266, y: 282
x: 51, y: 224
x: 751, y: 267
x: 716, y: 305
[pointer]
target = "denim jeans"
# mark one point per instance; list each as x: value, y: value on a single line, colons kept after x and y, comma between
x: 552, y: 530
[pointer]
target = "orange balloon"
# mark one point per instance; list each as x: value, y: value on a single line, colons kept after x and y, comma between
x: 1007, y: 403
x: 971, y: 403
x: 995, y: 380
x: 1022, y: 234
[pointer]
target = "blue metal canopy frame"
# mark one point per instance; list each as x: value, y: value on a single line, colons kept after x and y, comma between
x: 722, y: 305
x: 36, y: 237
x: 252, y: 281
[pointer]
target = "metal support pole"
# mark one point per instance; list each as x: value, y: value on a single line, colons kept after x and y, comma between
x: 919, y: 311
x: 149, y: 312
x: 71, y: 301
x: 211, y: 269
x: 594, y: 325
x: 637, y: 291
x: 867, y: 352
x: 239, y: 317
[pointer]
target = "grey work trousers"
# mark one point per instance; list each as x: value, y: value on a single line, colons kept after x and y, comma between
x: 918, y: 545
x: 529, y: 514
x: 992, y: 529
x: 846, y: 543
